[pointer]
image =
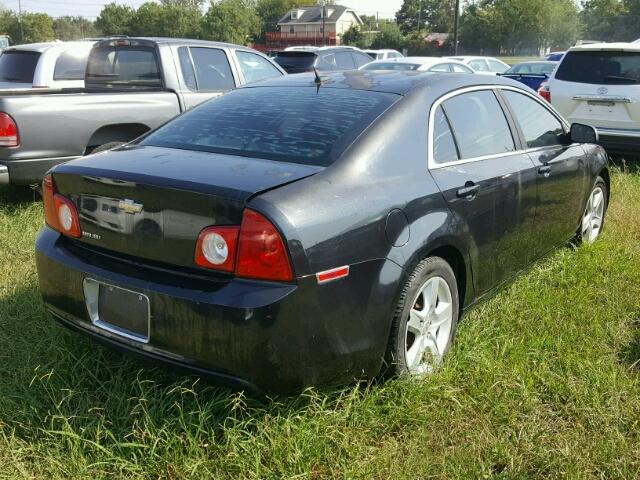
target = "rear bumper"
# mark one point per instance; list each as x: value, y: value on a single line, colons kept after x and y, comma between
x: 28, y: 171
x: 256, y: 335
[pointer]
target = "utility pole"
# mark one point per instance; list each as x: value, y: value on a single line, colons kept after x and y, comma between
x: 456, y: 20
x: 324, y: 14
x: 20, y: 20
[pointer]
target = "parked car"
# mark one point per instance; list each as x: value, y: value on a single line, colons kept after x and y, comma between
x: 331, y: 228
x: 554, y: 56
x: 532, y: 74
x: 423, y: 64
x: 132, y: 86
x: 383, y: 54
x: 305, y: 59
x: 486, y: 65
x: 46, y: 65
x: 597, y: 84
x: 543, y: 91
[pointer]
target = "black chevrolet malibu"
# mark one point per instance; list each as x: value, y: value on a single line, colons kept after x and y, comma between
x: 316, y: 231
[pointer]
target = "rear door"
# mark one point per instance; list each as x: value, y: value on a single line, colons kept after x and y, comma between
x: 599, y: 88
x: 488, y: 181
x: 206, y: 73
x: 561, y: 170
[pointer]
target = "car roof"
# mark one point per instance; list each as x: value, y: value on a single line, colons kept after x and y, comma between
x: 397, y: 82
x: 44, y: 46
x: 614, y: 46
x: 417, y: 60
x: 538, y: 62
x: 177, y: 41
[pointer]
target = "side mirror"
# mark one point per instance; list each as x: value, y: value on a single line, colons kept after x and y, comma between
x: 583, y: 133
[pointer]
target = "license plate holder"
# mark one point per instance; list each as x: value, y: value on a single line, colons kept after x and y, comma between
x: 118, y: 310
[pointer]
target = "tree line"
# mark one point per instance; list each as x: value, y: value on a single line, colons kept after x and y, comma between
x: 498, y: 26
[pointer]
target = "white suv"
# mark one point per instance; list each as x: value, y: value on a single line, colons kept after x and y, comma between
x: 599, y: 85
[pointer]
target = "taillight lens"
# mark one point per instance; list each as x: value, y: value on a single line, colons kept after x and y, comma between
x: 253, y: 250
x: 60, y: 213
x: 545, y: 92
x: 216, y: 248
x: 9, y: 136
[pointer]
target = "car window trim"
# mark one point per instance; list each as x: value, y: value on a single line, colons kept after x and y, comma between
x: 229, y: 62
x: 432, y: 165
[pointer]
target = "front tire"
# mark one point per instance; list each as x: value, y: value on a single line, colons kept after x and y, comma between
x: 425, y: 319
x: 593, y: 217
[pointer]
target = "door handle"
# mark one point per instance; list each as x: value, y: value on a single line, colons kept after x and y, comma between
x: 544, y: 170
x: 468, y: 191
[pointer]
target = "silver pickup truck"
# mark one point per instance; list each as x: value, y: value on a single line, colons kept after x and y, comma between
x: 132, y: 85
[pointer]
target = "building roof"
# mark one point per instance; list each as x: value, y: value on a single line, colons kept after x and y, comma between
x: 313, y: 14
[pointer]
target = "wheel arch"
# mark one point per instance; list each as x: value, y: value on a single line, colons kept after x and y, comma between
x: 118, y: 132
x: 604, y: 173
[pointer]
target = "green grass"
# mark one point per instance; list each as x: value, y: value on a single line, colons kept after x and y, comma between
x: 543, y: 382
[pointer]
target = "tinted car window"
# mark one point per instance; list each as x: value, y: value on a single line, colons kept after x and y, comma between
x: 293, y: 62
x: 540, y: 127
x: 344, y: 61
x: 444, y: 147
x: 256, y: 68
x: 285, y: 124
x: 122, y: 66
x: 600, y: 67
x: 479, y: 65
x: 213, y: 72
x: 479, y: 124
x: 188, y: 73
x: 18, y: 66
x: 71, y: 65
x: 532, y: 69
x: 360, y: 59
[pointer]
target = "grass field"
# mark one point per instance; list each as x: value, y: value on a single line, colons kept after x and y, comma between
x: 514, y: 60
x: 543, y: 382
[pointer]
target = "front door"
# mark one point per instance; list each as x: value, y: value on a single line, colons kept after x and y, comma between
x: 561, y: 171
x: 488, y: 183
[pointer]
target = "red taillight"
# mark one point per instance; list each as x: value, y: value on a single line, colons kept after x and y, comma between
x: 545, y: 92
x: 59, y: 212
x: 254, y: 250
x: 9, y: 136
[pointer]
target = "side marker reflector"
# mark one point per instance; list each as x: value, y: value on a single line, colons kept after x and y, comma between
x: 333, y: 274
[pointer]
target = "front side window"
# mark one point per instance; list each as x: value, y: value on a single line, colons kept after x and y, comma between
x: 540, y: 127
x: 444, y: 146
x: 213, y: 72
x: 256, y: 68
x: 479, y: 124
x: 71, y: 65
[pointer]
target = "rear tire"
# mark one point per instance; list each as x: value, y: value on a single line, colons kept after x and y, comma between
x: 425, y: 319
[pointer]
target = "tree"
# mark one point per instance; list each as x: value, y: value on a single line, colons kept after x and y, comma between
x: 74, y: 28
x: 389, y: 36
x: 115, y: 19
x: 352, y: 36
x: 434, y: 15
x: 605, y: 20
x: 232, y: 21
x: 36, y: 27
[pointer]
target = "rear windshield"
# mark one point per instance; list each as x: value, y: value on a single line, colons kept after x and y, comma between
x: 531, y: 69
x: 18, y: 66
x: 288, y: 124
x: 391, y: 66
x: 123, y: 66
x: 600, y: 67
x: 295, y: 59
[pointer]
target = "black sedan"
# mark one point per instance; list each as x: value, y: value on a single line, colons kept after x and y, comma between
x: 316, y: 230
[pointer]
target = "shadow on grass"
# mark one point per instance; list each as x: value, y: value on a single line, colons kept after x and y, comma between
x: 630, y: 354
x: 17, y: 195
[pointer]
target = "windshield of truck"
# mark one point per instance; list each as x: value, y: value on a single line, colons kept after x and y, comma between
x: 18, y: 66
x: 115, y: 66
x: 600, y: 67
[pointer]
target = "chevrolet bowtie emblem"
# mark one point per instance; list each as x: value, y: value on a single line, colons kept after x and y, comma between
x: 129, y: 206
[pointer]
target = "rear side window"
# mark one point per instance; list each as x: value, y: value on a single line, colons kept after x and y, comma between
x: 18, y: 66
x: 460, y: 68
x: 285, y: 124
x: 600, y: 67
x: 444, y: 146
x: 213, y: 72
x: 442, y: 68
x: 71, y: 65
x: 540, y: 127
x: 479, y: 125
x: 255, y: 68
x: 123, y: 66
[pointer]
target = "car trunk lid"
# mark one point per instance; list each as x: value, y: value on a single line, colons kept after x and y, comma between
x: 152, y: 202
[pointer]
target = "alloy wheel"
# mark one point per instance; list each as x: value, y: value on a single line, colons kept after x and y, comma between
x: 429, y: 326
x: 593, y: 216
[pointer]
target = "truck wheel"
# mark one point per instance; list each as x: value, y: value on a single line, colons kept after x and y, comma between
x: 107, y: 146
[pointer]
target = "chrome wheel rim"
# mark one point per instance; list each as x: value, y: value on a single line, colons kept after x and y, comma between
x: 593, y: 216
x: 429, y: 326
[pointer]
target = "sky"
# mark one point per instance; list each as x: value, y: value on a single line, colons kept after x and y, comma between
x: 91, y: 8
